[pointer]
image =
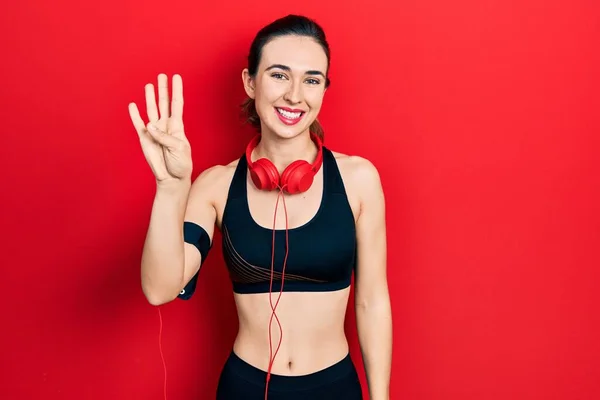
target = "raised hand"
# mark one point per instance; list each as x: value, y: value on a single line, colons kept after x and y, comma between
x: 165, y: 146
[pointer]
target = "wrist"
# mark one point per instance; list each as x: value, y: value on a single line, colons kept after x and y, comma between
x: 380, y: 394
x: 174, y: 187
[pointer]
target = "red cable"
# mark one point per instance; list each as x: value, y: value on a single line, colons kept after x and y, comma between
x: 161, y: 352
x: 273, y: 308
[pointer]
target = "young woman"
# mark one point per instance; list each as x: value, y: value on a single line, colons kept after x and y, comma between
x: 296, y: 220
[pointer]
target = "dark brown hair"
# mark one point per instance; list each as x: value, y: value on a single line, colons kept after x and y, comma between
x: 290, y: 25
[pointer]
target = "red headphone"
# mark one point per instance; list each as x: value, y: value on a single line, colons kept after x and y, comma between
x: 296, y: 178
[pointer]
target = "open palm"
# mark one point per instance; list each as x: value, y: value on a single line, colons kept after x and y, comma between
x: 165, y: 146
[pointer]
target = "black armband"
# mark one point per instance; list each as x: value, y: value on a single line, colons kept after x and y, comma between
x: 197, y: 236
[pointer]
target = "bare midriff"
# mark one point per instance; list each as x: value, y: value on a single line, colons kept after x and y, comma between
x: 313, y: 330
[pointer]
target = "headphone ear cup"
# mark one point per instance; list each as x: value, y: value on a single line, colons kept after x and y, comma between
x: 264, y: 174
x: 297, y: 177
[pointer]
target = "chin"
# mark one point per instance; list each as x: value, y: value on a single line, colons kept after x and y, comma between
x: 287, y: 133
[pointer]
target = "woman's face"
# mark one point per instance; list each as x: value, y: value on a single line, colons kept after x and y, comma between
x: 289, y: 85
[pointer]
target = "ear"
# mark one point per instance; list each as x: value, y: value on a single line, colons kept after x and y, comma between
x: 249, y: 84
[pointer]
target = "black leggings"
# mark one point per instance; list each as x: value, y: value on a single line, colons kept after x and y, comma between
x: 240, y: 380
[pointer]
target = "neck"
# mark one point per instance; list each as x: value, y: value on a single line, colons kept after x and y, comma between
x: 282, y: 152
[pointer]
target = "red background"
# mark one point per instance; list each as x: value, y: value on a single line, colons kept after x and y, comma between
x: 482, y: 117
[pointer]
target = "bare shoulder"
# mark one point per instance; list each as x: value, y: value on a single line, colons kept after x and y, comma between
x: 361, y: 182
x: 213, y: 181
x: 357, y: 170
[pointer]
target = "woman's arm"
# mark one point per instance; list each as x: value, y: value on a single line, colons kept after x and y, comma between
x: 372, y: 301
x: 168, y: 262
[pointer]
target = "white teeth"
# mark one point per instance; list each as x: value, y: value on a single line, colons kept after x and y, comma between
x: 287, y: 114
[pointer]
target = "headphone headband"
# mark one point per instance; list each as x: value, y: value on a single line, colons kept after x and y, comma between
x: 314, y: 166
x: 297, y: 177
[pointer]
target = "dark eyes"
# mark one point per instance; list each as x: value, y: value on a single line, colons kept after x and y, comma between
x: 311, y: 81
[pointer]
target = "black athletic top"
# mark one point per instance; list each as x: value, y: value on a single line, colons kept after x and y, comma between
x: 321, y: 253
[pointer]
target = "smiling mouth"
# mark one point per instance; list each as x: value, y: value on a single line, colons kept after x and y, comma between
x: 289, y: 117
x: 289, y: 114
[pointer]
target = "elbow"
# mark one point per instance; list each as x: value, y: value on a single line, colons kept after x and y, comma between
x: 365, y: 302
x: 157, y: 290
x: 157, y: 297
x: 157, y: 301
x: 379, y: 302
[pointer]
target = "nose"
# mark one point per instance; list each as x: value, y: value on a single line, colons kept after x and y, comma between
x: 294, y: 93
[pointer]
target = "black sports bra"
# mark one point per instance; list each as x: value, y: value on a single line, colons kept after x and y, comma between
x: 321, y: 253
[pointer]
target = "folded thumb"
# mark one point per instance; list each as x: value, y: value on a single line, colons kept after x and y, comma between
x: 161, y: 137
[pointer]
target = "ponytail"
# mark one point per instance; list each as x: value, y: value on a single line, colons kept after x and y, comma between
x: 252, y: 118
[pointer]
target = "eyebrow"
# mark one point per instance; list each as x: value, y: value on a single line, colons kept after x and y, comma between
x: 286, y: 68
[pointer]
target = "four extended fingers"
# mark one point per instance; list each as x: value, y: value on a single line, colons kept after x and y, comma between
x: 176, y: 104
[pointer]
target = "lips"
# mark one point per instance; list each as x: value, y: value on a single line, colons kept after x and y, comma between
x: 289, y: 116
